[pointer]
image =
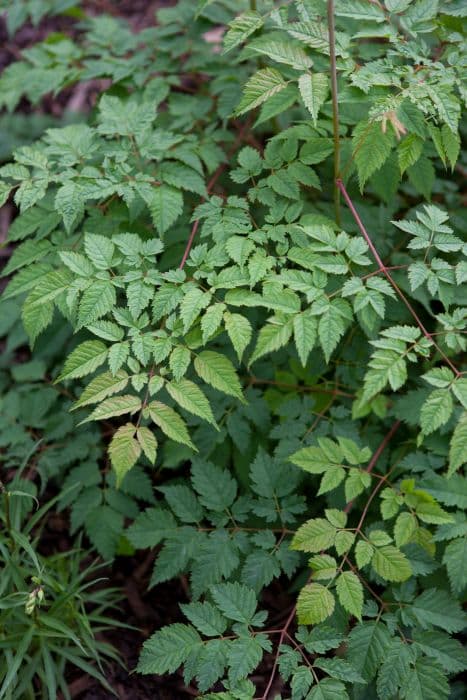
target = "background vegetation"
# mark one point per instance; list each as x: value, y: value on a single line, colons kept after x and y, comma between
x: 233, y: 398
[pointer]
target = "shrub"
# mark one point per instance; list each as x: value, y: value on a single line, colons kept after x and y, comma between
x: 259, y: 252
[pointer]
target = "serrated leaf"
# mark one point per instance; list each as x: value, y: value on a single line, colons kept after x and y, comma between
x: 394, y: 670
x: 371, y: 146
x: 458, y: 445
x: 263, y: 84
x: 314, y: 91
x: 438, y: 608
x: 179, y: 361
x: 350, y: 593
x: 84, y: 359
x: 436, y: 410
x: 124, y: 451
x: 165, y: 205
x: 391, y: 564
x: 305, y: 334
x: 115, y: 406
x: 455, y: 560
x: 314, y: 536
x: 168, y: 649
x: 367, y: 647
x: 191, y: 398
x: 97, y: 300
x: 101, y: 387
x: 170, y: 423
x: 216, y: 487
x: 236, y: 602
x: 148, y: 442
x: 315, y: 603
x: 217, y: 370
x: 239, y: 331
x: 241, y: 28
x: 99, y: 250
x: 271, y: 337
x: 426, y: 681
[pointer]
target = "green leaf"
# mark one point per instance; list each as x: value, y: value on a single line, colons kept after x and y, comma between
x: 168, y: 649
x: 99, y: 250
x: 328, y: 689
x: 148, y: 442
x: 236, y: 602
x: 391, y: 564
x: 97, y: 300
x: 315, y: 603
x: 69, y: 202
x: 448, y: 652
x: 314, y: 535
x: 360, y: 10
x: 314, y: 91
x: 350, y: 593
x: 124, y: 451
x: 305, y: 333
x: 241, y: 28
x: 84, y: 359
x: 281, y: 52
x: 151, y: 527
x: 244, y: 655
x: 170, y: 423
x: 191, y: 398
x: 211, y: 320
x: 438, y: 608
x: 394, y: 670
x: 216, y: 487
x: 271, y: 337
x: 332, y: 325
x: 205, y: 617
x: 115, y: 406
x: 455, y: 560
x: 371, y: 146
x: 260, y: 87
x: 239, y: 331
x: 368, y: 645
x: 165, y: 205
x: 191, y: 306
x: 363, y: 553
x: 458, y: 446
x: 179, y: 361
x: 436, y: 410
x: 25, y: 254
x: 101, y: 387
x: 217, y: 370
x: 426, y: 681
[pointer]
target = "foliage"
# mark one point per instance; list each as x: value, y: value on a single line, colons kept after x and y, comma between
x: 203, y: 295
x: 50, y: 609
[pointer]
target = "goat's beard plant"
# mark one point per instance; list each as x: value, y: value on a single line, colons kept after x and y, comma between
x: 256, y: 251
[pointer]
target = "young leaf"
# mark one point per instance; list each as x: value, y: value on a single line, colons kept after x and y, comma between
x: 350, y: 593
x: 84, y: 359
x: 314, y: 91
x: 315, y: 603
x: 217, y: 370
x: 170, y: 423
x: 124, y: 450
x: 191, y: 398
x: 260, y: 87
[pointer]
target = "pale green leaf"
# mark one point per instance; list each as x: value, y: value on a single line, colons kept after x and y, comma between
x: 315, y: 603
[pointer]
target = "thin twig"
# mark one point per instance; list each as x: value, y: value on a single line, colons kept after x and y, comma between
x: 284, y: 631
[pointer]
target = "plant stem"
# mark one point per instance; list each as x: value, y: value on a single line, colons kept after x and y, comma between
x: 335, y: 109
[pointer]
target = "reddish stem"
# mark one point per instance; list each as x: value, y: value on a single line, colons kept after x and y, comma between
x: 284, y: 631
x: 374, y: 460
x: 383, y: 268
